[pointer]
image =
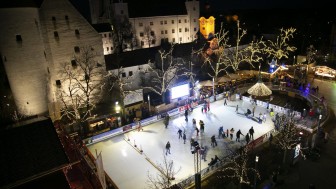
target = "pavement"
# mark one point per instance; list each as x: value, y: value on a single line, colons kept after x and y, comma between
x: 128, y: 167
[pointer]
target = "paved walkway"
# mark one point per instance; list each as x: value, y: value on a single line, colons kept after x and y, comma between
x: 129, y: 168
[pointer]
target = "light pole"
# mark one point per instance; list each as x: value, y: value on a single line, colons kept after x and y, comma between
x: 149, y: 108
x: 255, y: 173
x: 319, y: 122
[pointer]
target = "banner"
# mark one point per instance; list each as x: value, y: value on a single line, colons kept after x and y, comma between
x: 100, y: 170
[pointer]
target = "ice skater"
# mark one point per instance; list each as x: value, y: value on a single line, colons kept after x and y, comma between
x: 238, y: 135
x: 168, y: 148
x: 179, y: 132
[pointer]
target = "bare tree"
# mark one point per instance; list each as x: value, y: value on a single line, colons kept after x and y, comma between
x: 121, y: 84
x: 167, y: 173
x: 148, y: 36
x: 280, y: 48
x: 163, y: 73
x: 287, y: 137
x: 238, y: 168
x: 123, y: 33
x: 82, y: 83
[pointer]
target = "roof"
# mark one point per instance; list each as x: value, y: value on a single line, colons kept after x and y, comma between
x: 149, y: 8
x: 29, y: 150
x: 20, y: 3
x: 105, y: 27
x: 130, y: 58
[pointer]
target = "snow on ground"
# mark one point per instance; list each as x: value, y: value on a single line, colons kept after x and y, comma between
x: 128, y: 168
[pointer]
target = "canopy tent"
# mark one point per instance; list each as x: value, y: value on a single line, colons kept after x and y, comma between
x: 224, y: 79
x: 259, y: 90
x: 207, y: 83
x: 234, y: 76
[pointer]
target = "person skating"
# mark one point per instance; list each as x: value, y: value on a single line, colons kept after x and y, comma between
x: 201, y: 123
x: 247, y: 138
x: 213, y: 141
x: 225, y: 103
x: 197, y: 131
x: 168, y: 148
x: 220, y: 131
x: 237, y: 108
x: 180, y: 133
x: 184, y: 138
x: 186, y: 114
x: 238, y: 135
x: 251, y: 131
x: 166, y: 120
x: 231, y: 133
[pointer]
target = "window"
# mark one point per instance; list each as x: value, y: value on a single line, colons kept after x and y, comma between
x: 185, y: 20
x: 173, y: 30
x: 166, y: 31
x: 165, y: 22
x: 151, y: 23
x: 73, y: 63
x: 104, y: 34
x: 107, y: 49
x: 179, y: 20
x: 142, y: 43
x: 173, y: 40
x: 76, y: 31
x: 180, y: 29
x: 186, y: 29
x: 77, y: 50
x: 56, y: 34
x: 152, y: 33
x: 130, y: 73
x: 141, y: 34
x: 161, y: 22
x: 153, y: 41
x: 58, y: 83
x: 180, y: 39
x: 173, y: 21
x: 121, y: 11
x: 18, y: 38
x: 162, y: 32
x: 66, y: 17
x: 140, y: 24
x: 123, y: 74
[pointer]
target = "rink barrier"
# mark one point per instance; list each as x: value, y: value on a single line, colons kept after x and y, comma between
x: 308, y: 96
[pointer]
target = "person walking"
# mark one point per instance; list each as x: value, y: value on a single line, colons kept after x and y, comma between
x: 231, y: 133
x: 247, y: 138
x: 220, y: 131
x: 179, y: 132
x: 251, y: 131
x: 191, y: 143
x: 237, y: 108
x: 253, y: 110
x: 225, y: 103
x: 168, y: 148
x: 213, y: 141
x: 238, y: 135
x: 184, y: 137
x: 202, y: 152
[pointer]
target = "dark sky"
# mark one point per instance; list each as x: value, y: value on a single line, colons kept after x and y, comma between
x: 220, y: 5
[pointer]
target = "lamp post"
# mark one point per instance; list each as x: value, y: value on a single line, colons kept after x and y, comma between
x: 255, y: 174
x: 319, y: 122
x: 149, y: 107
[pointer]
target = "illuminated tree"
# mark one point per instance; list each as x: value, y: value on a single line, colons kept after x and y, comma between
x: 82, y: 85
x: 280, y: 48
x: 311, y: 54
x: 162, y: 74
x: 238, y: 168
x: 287, y: 137
x: 166, y: 174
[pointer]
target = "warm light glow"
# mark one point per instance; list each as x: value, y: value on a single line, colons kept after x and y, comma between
x: 257, y: 158
x: 207, y: 26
